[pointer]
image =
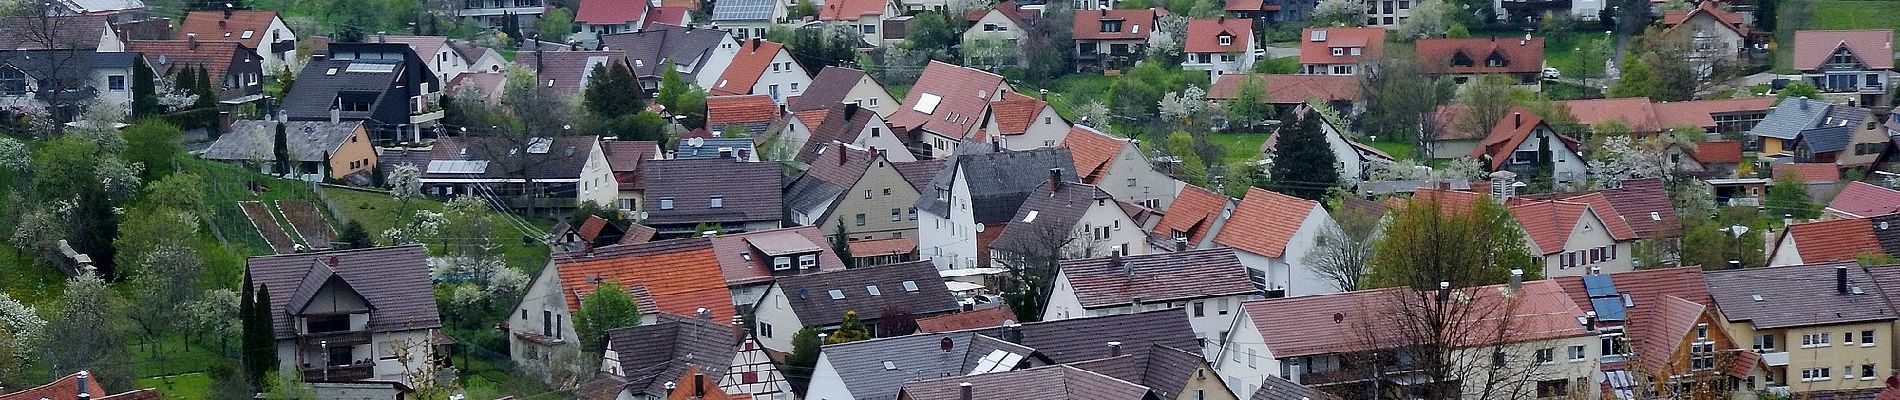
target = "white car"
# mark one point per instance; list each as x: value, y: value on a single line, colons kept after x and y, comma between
x: 1552, y: 73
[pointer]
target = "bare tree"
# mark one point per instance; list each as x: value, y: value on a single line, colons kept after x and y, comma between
x: 41, y: 25
x: 1402, y: 101
x: 1031, y: 260
x: 1343, y: 253
x: 1454, y: 342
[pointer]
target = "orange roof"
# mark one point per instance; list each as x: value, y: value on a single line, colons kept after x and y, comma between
x: 1016, y: 112
x: 753, y: 59
x: 1642, y: 115
x: 1203, y: 35
x: 1510, y: 132
x: 1289, y: 89
x: 1835, y: 240
x: 66, y: 387
x: 1371, y: 41
x: 974, y: 319
x: 883, y: 247
x: 1728, y: 19
x: 213, y: 25
x: 1809, y: 172
x: 1135, y: 24
x: 1193, y: 212
x: 1702, y: 112
x: 1718, y: 151
x: 213, y: 55
x: 739, y: 109
x: 1633, y: 112
x: 1607, y: 212
x: 1453, y: 201
x: 850, y: 10
x: 1094, y: 152
x: 1264, y: 222
x: 681, y: 276
x: 1519, y: 55
x: 1549, y: 222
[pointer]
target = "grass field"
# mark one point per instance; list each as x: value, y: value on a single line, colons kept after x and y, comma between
x: 1241, y: 146
x: 1577, y: 55
x: 196, y: 385
x: 1398, y: 150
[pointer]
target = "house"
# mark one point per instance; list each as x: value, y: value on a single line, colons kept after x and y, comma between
x: 1862, y: 200
x: 387, y: 86
x: 763, y: 67
x: 651, y: 357
x: 1713, y: 159
x: 448, y: 59
x: 493, y: 14
x: 1524, y: 144
x: 1357, y: 160
x: 565, y: 74
x: 541, y: 173
x: 882, y: 297
x: 1790, y: 315
x: 751, y: 260
x: 319, y: 150
x: 1273, y: 338
x: 855, y: 187
x: 1813, y: 131
x: 879, y: 368
x: 1170, y: 373
x: 1647, y: 118
x: 1119, y: 167
x: 983, y: 317
x: 1272, y: 234
x: 1074, y: 340
x: 738, y: 149
x: 1571, y: 237
x: 61, y: 81
x: 1196, y: 216
x: 1659, y: 326
x: 682, y: 195
x: 1023, y: 122
x: 805, y: 137
x: 117, y: 11
x: 1852, y: 64
x: 78, y: 385
x: 1066, y: 220
x: 1388, y: 16
x: 1219, y: 46
x: 260, y: 31
x: 996, y: 33
x: 1717, y: 38
x: 947, y: 106
x: 1341, y: 51
x: 835, y: 85
x: 700, y: 55
x: 1054, y: 382
x: 1264, y: 12
x: 976, y: 194
x: 1113, y: 39
x: 1207, y: 285
x: 1285, y: 92
x: 343, y: 315
x: 238, y: 70
x: 746, y: 19
x: 866, y: 16
x: 624, y: 158
x: 1643, y: 204
x: 1838, y: 240
x: 1775, y: 136
x: 753, y: 115
x: 476, y: 59
x: 755, y: 371
x: 607, y: 17
x: 875, y: 252
x: 70, y: 32
x: 1517, y: 60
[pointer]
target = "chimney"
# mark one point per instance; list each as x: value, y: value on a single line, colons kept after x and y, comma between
x: 336, y: 115
x: 84, y: 391
x: 1787, y: 219
x: 1594, y: 270
x: 227, y: 11
x: 191, y: 40
x: 1055, y: 179
x: 1734, y: 264
x: 1293, y: 373
x: 963, y: 391
x: 1180, y: 244
x: 755, y: 44
x: 1012, y: 331
x: 699, y: 385
x: 1114, y: 349
x: 222, y: 24
x: 1840, y: 279
x: 1517, y: 279
x: 334, y: 262
x: 1517, y: 120
x: 1127, y: 269
x: 850, y: 109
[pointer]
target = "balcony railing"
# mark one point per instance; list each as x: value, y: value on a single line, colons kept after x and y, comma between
x: 333, y: 339
x: 350, y: 372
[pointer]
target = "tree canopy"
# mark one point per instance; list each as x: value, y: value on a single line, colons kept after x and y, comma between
x: 607, y: 308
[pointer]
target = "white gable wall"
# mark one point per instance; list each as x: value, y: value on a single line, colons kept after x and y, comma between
x: 782, y: 82
x: 1132, y: 179
x: 826, y: 383
x: 775, y: 321
x: 1786, y: 253
x: 949, y: 241
x: 1243, y: 373
x: 709, y: 71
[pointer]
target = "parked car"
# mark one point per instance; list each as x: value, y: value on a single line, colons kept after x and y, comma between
x: 1552, y: 73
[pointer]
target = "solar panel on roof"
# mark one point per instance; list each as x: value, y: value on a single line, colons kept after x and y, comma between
x: 1599, y: 285
x: 457, y: 166
x: 370, y: 67
x: 727, y: 10
x: 1608, y: 309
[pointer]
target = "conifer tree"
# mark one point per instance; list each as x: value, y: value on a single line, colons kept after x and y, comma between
x: 1303, y: 164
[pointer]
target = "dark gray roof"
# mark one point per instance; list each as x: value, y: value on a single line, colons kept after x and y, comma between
x: 1888, y: 235
x: 710, y: 147
x: 919, y: 172
x: 1082, y: 339
x: 742, y: 10
x: 566, y: 73
x: 74, y: 66
x: 827, y: 177
x: 999, y: 179
x: 1162, y: 369
x: 1055, y: 382
x: 1791, y: 117
x: 813, y: 299
x: 841, y: 123
x: 830, y: 87
x: 683, y: 45
x: 651, y: 355
x: 693, y: 183
x: 563, y: 157
x: 861, y: 364
x: 307, y: 140
x: 1797, y: 295
x: 1276, y: 388
x: 1159, y: 277
x: 80, y: 32
x: 393, y: 279
x: 1829, y: 139
x: 1057, y: 209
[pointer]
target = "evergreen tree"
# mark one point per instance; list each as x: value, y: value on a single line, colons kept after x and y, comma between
x: 280, y: 147
x: 612, y: 92
x: 355, y: 236
x: 1789, y: 196
x: 260, y: 343
x: 851, y: 330
x: 144, y: 90
x: 1303, y: 164
x: 804, y: 357
x: 206, y: 108
x: 841, y: 244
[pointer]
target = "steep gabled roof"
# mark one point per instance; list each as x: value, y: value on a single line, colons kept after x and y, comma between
x: 678, y: 276
x: 683, y: 45
x: 1277, y: 388
x: 1193, y: 213
x: 948, y: 99
x: 1081, y: 339
x: 1370, y: 40
x: 1054, y: 382
x: 394, y: 279
x: 835, y: 124
x: 1203, y: 35
x: 306, y: 140
x: 1728, y: 19
x: 756, y: 112
x: 832, y: 86
x: 751, y: 63
x: 563, y: 158
x: 1798, y: 295
x: 66, y: 387
x: 1550, y: 222
x: 1519, y: 55
x: 692, y: 183
x: 1600, y: 204
x: 168, y: 56
x: 213, y: 25
x: 851, y: 10
x: 1834, y: 240
x: 1345, y: 322
x: 1162, y: 369
x: 1095, y: 152
x: 566, y: 73
x: 1663, y: 306
x: 1135, y: 24
x: 998, y: 180
x: 668, y: 349
x: 1015, y: 113
x: 1265, y: 221
x: 610, y: 12
x: 1645, y: 205
x: 740, y: 269
x: 828, y: 176
x: 861, y: 364
x: 996, y: 315
x: 822, y: 299
x: 1874, y: 47
x: 1049, y: 214
x: 1792, y: 116
x: 1862, y: 199
x: 1161, y: 277
x: 1512, y: 131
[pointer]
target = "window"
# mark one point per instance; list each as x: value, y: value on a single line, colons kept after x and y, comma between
x: 1356, y: 51
x: 913, y: 213
x: 1867, y: 372
x: 897, y: 214
x: 1111, y: 26
x: 1847, y: 337
x: 1764, y: 343
x: 1577, y: 353
x: 1815, y: 340
x: 765, y: 329
x: 808, y: 261
x: 1251, y: 357
x: 116, y: 83
x: 1614, y: 344
x: 716, y: 202
x: 1226, y: 40
x: 666, y: 203
x: 1227, y: 57
x: 1815, y: 374
x: 1200, y: 309
x: 870, y: 29
x: 794, y: 86
x: 860, y: 219
x: 1339, y: 51
x: 1546, y: 355
x: 867, y: 193
x: 887, y: 191
x: 781, y: 263
x: 1553, y: 388
x: 1523, y: 157
x: 1867, y: 338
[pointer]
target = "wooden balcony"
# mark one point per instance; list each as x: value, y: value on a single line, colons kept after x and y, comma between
x: 316, y: 341
x: 351, y: 372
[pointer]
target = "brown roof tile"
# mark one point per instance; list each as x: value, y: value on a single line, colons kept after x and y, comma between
x: 963, y: 94
x: 1161, y: 277
x: 1606, y: 211
x: 1519, y: 55
x: 732, y: 250
x: 1193, y: 213
x: 1718, y: 151
x: 1509, y: 133
x: 851, y: 10
x: 394, y: 279
x: 1338, y: 323
x: 1862, y: 199
x: 66, y: 387
x: 740, y: 109
x: 1549, y: 223
x: 681, y: 275
x: 1135, y: 24
x: 1809, y: 172
x: 167, y: 56
x: 1265, y: 222
x: 1055, y: 382
x: 751, y: 63
x: 1799, y: 295
x: 610, y: 12
x: 1094, y: 152
x: 213, y: 25
x: 1203, y: 35
x: 1015, y: 113
x: 1835, y: 240
x: 568, y: 70
x: 995, y: 315
x: 1874, y: 47
x: 832, y: 85
x: 883, y: 247
x: 1371, y: 40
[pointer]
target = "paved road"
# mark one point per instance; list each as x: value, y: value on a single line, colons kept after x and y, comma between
x: 1279, y: 52
x: 1742, y: 82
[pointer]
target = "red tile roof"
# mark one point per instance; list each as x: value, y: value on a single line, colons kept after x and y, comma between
x: 610, y: 12
x: 990, y: 317
x: 626, y: 155
x: 669, y: 15
x: 738, y: 270
x: 1448, y: 117
x: 1646, y: 286
x: 1264, y: 222
x: 1509, y: 133
x: 1452, y: 201
x: 590, y: 230
x: 1094, y: 152
x: 962, y: 95
x: 883, y: 247
x: 215, y: 56
x: 1341, y: 322
x: 1250, y: 5
x: 1728, y: 19
x: 1136, y: 24
x: 1718, y: 151
x: 1549, y: 223
x: 1862, y: 199
x: 739, y: 109
x: 1371, y: 40
x: 1290, y: 89
x: 681, y: 276
x: 1874, y: 47
x: 1203, y: 35
x: 1633, y: 112
x: 66, y: 387
x: 1809, y: 172
x: 212, y: 25
x: 1015, y: 113
x: 1193, y: 212
x: 1835, y: 240
x: 1613, y: 220
x: 1014, y: 12
x: 753, y: 59
x: 1519, y: 55
x: 1645, y: 205
x: 1701, y: 113
x: 851, y: 10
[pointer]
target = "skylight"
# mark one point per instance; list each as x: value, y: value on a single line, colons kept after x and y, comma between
x: 1032, y: 216
x: 872, y: 289
x: 910, y: 286
x: 370, y: 67
x: 927, y: 103
x: 890, y: 366
x: 836, y: 294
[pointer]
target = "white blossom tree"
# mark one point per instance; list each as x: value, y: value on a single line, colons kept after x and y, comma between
x: 214, y: 316
x: 1183, y: 105
x: 1170, y: 45
x: 1430, y: 18
x: 1338, y: 12
x: 100, y: 124
x: 1621, y: 157
x: 14, y: 157
x: 22, y: 321
x: 1094, y: 115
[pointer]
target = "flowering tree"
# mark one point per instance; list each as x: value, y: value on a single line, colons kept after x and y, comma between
x: 1184, y: 105
x: 1621, y: 157
x: 1169, y: 46
x: 21, y: 321
x: 1093, y: 115
x: 1429, y: 18
x: 1340, y: 12
x: 14, y: 157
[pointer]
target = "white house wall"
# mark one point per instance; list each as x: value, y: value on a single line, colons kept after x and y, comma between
x: 716, y: 63
x: 1132, y: 179
x: 789, y: 82
x: 949, y: 241
x: 774, y: 310
x: 826, y: 384
x: 597, y: 179
x: 1231, y: 358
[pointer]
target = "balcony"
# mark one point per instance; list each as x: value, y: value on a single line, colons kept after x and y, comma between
x: 316, y: 341
x: 348, y: 372
x: 425, y: 117
x: 1775, y: 359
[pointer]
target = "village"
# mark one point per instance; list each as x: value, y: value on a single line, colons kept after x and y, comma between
x: 949, y: 199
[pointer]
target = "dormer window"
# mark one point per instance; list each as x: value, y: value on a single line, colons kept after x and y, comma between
x: 1339, y: 51
x: 1356, y: 51
x: 808, y: 261
x: 781, y: 263
x: 1843, y: 57
x: 1495, y: 60
x: 666, y: 203
x: 1460, y: 60
x: 1226, y: 40
x: 716, y: 202
x: 1111, y: 26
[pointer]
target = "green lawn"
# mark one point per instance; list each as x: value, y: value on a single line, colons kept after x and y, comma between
x: 1241, y: 146
x: 1282, y: 65
x: 196, y: 385
x: 1398, y: 150
x: 1577, y: 55
x: 376, y: 211
x: 24, y: 278
x: 898, y: 91
x: 1071, y: 93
